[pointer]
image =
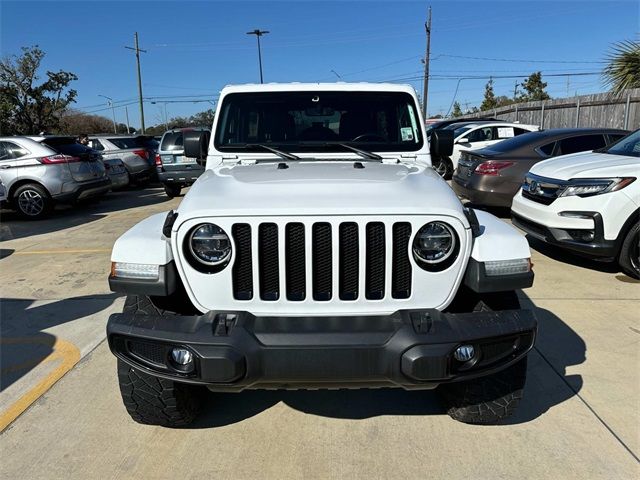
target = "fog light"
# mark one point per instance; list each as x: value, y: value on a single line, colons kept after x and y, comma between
x: 464, y: 353
x: 181, y: 356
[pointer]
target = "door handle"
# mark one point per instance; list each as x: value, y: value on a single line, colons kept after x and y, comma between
x: 4, y: 167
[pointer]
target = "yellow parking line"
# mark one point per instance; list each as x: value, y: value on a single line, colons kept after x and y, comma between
x: 63, y: 250
x: 65, y: 351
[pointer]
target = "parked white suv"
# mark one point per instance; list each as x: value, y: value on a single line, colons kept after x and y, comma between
x: 587, y: 202
x: 475, y: 135
x: 319, y: 249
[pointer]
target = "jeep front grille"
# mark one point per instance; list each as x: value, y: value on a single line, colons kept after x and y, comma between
x: 329, y: 243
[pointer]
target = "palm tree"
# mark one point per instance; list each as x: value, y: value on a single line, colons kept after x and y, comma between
x: 623, y: 66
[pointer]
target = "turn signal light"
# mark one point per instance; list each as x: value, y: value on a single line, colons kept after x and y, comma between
x: 491, y: 167
x: 158, y: 160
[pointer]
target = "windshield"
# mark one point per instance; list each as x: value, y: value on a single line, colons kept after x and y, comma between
x: 459, y: 131
x: 307, y: 121
x: 629, y: 145
x: 135, y: 142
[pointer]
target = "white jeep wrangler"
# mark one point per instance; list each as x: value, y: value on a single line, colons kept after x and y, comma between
x: 319, y: 249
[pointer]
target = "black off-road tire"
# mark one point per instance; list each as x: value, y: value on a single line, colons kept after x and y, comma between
x: 172, y: 190
x: 156, y: 401
x: 32, y: 201
x: 152, y: 400
x: 487, y: 400
x: 629, y: 258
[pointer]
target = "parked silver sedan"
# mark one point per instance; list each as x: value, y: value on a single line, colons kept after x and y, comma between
x: 41, y: 171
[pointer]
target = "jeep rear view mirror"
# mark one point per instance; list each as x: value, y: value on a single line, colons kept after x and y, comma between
x: 441, y: 143
x: 196, y: 144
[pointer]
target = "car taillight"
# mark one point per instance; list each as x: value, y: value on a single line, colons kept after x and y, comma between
x: 158, y: 160
x: 142, y: 154
x: 53, y: 159
x: 491, y: 167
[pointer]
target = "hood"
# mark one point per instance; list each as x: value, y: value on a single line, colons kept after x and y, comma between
x: 588, y: 165
x: 319, y: 188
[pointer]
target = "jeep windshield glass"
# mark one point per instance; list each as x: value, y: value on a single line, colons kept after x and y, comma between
x: 629, y: 145
x: 318, y: 121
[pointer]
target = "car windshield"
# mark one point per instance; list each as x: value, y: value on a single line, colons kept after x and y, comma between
x: 459, y: 131
x: 135, y: 142
x: 516, y: 142
x: 629, y: 145
x: 309, y: 120
x: 66, y: 146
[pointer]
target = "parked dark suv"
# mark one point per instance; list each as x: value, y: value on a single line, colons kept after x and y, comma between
x: 176, y: 171
x: 491, y: 176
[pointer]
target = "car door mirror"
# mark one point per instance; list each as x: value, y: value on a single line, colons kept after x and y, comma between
x: 196, y: 144
x: 463, y: 140
x: 441, y: 143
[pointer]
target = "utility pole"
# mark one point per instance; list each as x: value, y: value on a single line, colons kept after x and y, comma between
x: 258, y: 33
x: 126, y: 112
x: 137, y: 49
x: 425, y: 89
x: 113, y: 111
x: 515, y: 90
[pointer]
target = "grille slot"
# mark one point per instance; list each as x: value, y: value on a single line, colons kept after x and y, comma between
x: 375, y: 261
x: 322, y: 261
x: 295, y: 262
x: 242, y: 267
x: 349, y: 261
x: 268, y: 261
x: 401, y: 267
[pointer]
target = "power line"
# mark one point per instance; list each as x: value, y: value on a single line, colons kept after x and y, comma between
x: 517, y: 60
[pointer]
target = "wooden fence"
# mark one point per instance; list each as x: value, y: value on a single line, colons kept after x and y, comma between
x: 598, y: 110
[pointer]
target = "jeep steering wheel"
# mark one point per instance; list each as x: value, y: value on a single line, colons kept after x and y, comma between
x: 368, y: 136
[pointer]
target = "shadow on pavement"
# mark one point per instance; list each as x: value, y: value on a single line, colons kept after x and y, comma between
x: 23, y: 342
x: 557, y: 348
x: 13, y: 226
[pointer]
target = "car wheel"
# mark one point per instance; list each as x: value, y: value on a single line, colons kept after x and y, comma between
x: 490, y: 399
x: 444, y: 167
x: 172, y: 190
x: 32, y: 201
x: 629, y: 258
x: 152, y: 400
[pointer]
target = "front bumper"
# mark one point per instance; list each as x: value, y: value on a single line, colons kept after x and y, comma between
x: 569, y: 238
x: 234, y: 351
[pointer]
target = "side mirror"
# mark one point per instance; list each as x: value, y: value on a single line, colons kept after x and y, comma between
x: 196, y: 144
x: 463, y: 140
x: 441, y: 143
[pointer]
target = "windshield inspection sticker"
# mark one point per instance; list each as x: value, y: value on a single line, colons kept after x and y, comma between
x: 406, y: 133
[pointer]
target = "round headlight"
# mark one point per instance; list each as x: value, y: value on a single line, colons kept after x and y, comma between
x: 434, y: 243
x: 210, y: 245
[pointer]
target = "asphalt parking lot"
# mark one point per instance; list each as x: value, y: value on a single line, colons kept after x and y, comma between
x: 580, y: 417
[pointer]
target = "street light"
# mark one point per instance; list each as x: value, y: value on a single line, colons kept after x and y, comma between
x: 113, y: 111
x: 258, y: 33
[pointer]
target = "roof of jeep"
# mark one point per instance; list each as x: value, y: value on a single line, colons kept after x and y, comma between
x: 324, y: 87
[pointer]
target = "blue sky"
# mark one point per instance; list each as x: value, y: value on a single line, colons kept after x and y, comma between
x: 195, y: 48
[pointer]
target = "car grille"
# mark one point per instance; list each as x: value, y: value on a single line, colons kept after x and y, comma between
x: 329, y: 244
x: 541, y: 190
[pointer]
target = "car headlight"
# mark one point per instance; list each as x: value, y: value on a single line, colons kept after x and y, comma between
x: 590, y: 187
x: 435, y: 246
x: 210, y: 245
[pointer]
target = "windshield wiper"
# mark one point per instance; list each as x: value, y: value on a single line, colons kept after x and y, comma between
x: 280, y: 153
x: 362, y: 153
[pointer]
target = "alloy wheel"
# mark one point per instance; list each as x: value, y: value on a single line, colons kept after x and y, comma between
x: 31, y: 202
